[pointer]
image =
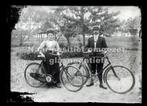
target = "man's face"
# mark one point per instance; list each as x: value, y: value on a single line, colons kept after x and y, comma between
x: 96, y: 33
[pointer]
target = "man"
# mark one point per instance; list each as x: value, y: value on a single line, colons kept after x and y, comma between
x: 95, y: 43
x: 46, y: 48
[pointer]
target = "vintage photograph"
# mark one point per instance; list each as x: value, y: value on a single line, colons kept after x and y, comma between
x: 77, y: 54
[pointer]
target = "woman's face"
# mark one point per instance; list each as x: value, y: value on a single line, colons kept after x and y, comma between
x: 51, y: 37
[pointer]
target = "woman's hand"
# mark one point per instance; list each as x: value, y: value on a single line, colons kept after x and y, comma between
x: 41, y: 54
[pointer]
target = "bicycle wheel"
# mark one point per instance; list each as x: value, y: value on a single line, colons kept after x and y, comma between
x: 71, y: 78
x: 119, y: 79
x: 85, y: 73
x: 33, y: 68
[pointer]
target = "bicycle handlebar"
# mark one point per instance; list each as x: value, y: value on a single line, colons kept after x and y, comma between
x: 42, y: 55
x: 105, y: 53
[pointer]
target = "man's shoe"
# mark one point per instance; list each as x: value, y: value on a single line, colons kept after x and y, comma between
x: 91, y: 84
x: 102, y: 86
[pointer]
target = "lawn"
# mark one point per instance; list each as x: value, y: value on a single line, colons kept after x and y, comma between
x: 112, y: 42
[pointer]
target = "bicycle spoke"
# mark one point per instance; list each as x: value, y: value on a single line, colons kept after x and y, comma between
x: 70, y: 80
x: 120, y: 79
x: 115, y: 73
x: 82, y: 70
x: 32, y: 68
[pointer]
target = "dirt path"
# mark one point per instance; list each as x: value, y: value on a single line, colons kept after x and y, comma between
x: 87, y: 94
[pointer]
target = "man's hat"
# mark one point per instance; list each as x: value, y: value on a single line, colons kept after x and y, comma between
x: 96, y: 28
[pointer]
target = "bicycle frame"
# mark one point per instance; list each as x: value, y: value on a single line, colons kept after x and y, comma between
x: 61, y: 67
x: 41, y: 65
x: 86, y: 66
x: 107, y: 68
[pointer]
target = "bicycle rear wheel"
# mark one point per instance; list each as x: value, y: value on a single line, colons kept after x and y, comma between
x: 120, y: 79
x: 33, y: 68
x: 71, y: 78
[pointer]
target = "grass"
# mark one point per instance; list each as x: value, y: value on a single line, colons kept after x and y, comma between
x: 112, y: 42
x: 122, y: 42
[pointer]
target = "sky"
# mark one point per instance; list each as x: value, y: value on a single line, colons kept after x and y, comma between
x: 125, y: 11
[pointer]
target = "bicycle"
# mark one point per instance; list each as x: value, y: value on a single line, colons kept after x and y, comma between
x: 117, y: 77
x: 68, y: 78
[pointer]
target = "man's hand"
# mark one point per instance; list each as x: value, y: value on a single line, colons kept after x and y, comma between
x: 105, y: 52
x: 89, y: 50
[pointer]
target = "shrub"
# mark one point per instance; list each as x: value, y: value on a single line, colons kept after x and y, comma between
x: 62, y: 45
x: 33, y: 55
x: 28, y: 55
x: 72, y: 54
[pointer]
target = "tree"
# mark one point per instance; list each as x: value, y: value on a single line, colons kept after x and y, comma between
x: 36, y: 15
x: 46, y: 26
x: 107, y: 22
x: 133, y: 25
x: 63, y: 26
x: 13, y: 13
x: 68, y: 32
x: 73, y: 21
x: 20, y: 34
x: 37, y: 20
x: 82, y: 18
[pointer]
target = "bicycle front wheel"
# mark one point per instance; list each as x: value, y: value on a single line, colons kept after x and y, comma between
x: 71, y: 78
x: 85, y: 73
x: 32, y: 69
x: 120, y: 79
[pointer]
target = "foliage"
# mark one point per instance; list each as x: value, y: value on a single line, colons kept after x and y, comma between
x: 79, y: 20
x: 107, y: 21
x: 134, y: 23
x: 33, y: 55
x: 21, y: 35
x: 131, y: 25
x: 71, y: 21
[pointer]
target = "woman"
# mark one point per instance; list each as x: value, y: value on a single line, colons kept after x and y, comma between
x: 46, y: 49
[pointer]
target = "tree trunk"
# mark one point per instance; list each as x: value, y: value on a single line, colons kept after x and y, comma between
x: 21, y: 40
x: 68, y: 40
x: 82, y: 21
x: 83, y: 39
x: 133, y: 31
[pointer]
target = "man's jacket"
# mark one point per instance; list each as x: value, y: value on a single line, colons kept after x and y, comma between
x: 100, y: 43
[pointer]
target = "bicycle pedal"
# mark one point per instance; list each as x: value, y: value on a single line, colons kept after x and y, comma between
x: 48, y: 79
